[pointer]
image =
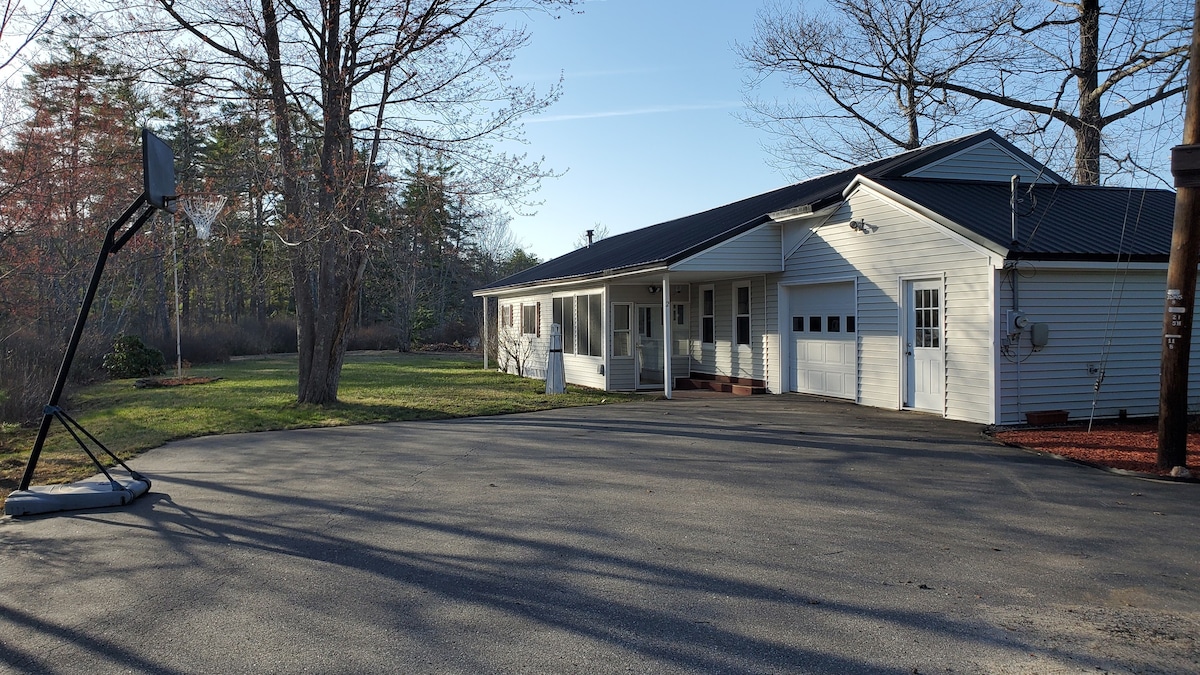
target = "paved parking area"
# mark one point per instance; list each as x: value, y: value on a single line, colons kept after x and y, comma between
x: 767, y: 534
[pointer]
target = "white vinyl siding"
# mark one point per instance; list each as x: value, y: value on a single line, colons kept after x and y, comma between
x: 772, y: 356
x: 579, y: 369
x: 985, y: 161
x: 1076, y: 306
x: 724, y: 357
x: 524, y: 338
x: 753, y: 251
x: 621, y: 376
x: 902, y: 245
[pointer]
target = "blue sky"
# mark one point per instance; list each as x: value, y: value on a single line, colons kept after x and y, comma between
x: 646, y: 128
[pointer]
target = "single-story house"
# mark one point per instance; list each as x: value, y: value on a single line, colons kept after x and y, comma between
x: 963, y: 279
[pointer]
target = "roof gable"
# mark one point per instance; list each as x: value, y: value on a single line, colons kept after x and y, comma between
x: 1055, y: 222
x: 658, y: 246
x: 991, y: 160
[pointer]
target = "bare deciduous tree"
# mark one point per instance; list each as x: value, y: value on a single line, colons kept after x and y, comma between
x: 596, y: 233
x: 897, y: 74
x: 352, y: 82
x: 514, y: 351
x: 1088, y: 68
x: 867, y: 69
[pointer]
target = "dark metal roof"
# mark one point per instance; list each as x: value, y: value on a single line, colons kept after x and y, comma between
x: 674, y: 240
x: 1056, y: 222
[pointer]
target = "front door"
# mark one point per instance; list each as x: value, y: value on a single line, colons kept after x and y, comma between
x: 925, y: 373
x: 649, y: 347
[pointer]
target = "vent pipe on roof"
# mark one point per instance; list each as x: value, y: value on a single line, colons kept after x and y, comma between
x: 590, y: 234
x: 1016, y: 185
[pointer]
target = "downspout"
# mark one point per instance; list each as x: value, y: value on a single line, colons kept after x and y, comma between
x: 485, y: 332
x: 1016, y: 303
x: 1016, y: 243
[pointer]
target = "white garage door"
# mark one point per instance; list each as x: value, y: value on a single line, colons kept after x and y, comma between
x: 824, y: 344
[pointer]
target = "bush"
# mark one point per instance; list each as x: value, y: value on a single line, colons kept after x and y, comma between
x: 217, y: 342
x: 29, y: 362
x: 376, y: 337
x: 130, y: 357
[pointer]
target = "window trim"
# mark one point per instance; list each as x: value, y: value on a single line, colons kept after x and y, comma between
x: 627, y: 331
x: 680, y: 332
x: 708, y: 322
x: 748, y: 316
x: 534, y: 319
x: 564, y: 315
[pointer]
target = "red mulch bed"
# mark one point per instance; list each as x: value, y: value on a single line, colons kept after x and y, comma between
x: 1131, y: 447
x: 150, y: 382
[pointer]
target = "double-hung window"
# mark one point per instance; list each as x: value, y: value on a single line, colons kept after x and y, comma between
x: 707, y: 315
x: 741, y: 319
x: 622, y: 344
x: 531, y: 318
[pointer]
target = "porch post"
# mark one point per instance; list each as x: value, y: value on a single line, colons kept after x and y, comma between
x: 485, y: 332
x: 666, y: 333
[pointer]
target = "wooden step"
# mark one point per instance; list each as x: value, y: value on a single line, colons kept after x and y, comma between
x: 726, y: 379
x: 738, y: 386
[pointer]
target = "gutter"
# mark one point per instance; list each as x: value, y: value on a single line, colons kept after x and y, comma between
x: 568, y: 281
x: 655, y: 266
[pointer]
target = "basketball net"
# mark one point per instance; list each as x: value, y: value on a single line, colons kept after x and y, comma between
x: 202, y: 208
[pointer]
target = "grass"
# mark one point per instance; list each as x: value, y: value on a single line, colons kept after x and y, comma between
x: 260, y: 395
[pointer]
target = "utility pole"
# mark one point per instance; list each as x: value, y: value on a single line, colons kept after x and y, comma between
x: 1181, y: 276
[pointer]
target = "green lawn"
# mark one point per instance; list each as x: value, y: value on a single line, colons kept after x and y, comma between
x: 258, y: 395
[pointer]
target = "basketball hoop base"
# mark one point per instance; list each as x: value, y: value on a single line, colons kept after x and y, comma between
x: 94, y: 494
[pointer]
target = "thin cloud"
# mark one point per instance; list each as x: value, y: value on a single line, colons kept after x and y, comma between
x: 652, y: 110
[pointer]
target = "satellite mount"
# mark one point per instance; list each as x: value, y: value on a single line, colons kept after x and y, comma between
x: 158, y: 193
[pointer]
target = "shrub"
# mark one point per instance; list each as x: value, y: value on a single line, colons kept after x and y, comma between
x: 130, y: 357
x: 217, y: 342
x: 376, y: 337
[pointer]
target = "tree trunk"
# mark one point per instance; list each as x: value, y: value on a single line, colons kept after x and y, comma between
x: 1087, y: 76
x: 317, y: 343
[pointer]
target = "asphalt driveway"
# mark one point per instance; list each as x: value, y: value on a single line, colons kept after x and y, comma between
x: 764, y: 534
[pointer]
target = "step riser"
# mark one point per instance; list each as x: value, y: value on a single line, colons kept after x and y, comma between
x: 724, y: 379
x: 724, y: 384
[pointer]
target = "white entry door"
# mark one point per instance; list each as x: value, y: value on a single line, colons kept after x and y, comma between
x: 925, y: 372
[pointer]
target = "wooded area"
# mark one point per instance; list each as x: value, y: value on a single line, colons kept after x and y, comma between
x: 420, y: 230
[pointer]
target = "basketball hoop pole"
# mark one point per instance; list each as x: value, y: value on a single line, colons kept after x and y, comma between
x: 114, y: 240
x: 158, y: 177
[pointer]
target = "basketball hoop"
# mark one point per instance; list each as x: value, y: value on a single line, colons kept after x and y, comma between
x: 202, y: 208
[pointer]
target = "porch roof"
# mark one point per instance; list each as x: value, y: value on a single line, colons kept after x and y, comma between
x: 661, y: 245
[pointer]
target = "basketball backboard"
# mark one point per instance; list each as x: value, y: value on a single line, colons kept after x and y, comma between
x: 158, y: 171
